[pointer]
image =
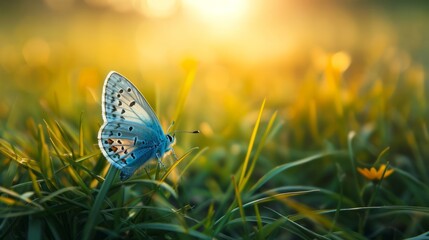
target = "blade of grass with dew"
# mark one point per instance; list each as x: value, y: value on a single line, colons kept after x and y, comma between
x: 94, y: 212
x: 241, y: 182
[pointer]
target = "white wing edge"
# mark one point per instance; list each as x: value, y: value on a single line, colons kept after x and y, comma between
x: 103, y: 107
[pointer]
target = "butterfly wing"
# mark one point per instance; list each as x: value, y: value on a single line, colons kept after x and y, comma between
x: 131, y: 133
x: 121, y: 100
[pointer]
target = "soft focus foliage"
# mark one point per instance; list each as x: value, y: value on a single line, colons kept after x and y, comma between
x: 340, y: 80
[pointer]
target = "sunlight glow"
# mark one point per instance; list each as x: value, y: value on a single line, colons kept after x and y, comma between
x: 217, y: 11
x: 156, y: 8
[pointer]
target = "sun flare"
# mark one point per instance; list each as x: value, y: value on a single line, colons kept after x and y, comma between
x: 217, y: 11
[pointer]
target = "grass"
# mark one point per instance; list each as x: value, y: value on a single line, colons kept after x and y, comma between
x: 274, y: 160
x: 57, y: 185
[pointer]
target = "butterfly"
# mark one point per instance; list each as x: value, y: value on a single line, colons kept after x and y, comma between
x: 131, y: 133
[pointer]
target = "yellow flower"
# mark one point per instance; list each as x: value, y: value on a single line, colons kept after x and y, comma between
x: 373, y: 174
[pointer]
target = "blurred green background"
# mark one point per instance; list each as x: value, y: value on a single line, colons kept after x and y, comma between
x: 327, y: 67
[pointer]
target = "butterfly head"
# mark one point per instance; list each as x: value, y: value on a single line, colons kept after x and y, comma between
x: 171, y: 139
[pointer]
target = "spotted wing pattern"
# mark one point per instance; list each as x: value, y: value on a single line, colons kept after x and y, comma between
x: 131, y: 133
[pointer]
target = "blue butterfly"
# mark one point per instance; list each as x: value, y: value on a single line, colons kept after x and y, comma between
x: 131, y: 134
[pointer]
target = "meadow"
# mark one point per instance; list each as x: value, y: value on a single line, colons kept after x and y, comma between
x: 312, y: 118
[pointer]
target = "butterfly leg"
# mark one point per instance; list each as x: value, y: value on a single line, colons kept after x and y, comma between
x: 160, y: 161
x: 174, y: 154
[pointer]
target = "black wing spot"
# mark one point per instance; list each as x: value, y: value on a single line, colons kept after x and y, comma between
x: 114, y: 115
x: 135, y: 140
x: 122, y: 148
x: 129, y: 90
x: 143, y: 142
x: 117, y: 126
x: 130, y: 128
x: 122, y: 117
x: 121, y: 91
x: 114, y: 109
x: 110, y: 134
x: 119, y: 134
x: 126, y: 151
x: 132, y: 103
x: 119, y: 102
x: 133, y: 156
x: 119, y: 95
x: 123, y: 111
x: 112, y: 100
x: 119, y: 141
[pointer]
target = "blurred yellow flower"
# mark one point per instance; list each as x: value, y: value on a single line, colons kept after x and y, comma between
x: 373, y: 174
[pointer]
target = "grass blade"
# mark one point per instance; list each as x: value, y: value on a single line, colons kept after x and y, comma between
x: 241, y: 182
x: 94, y: 212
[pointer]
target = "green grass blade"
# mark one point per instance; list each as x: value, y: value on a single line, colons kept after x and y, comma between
x: 241, y: 182
x: 34, y: 228
x: 275, y: 171
x: 81, y: 137
x: 94, y: 212
x: 170, y: 228
x: 350, y: 138
x: 177, y: 162
x: 259, y: 149
x: 240, y: 205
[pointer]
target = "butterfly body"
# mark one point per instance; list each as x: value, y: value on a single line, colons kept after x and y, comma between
x: 131, y: 133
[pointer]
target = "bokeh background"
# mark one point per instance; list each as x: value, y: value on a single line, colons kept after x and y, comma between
x: 244, y: 50
x: 327, y: 67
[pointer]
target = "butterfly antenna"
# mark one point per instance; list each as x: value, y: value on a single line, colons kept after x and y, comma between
x: 182, y: 131
x: 171, y: 125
